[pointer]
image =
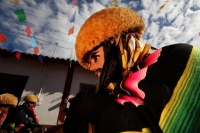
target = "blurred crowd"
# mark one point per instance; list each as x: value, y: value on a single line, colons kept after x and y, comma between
x: 16, y: 118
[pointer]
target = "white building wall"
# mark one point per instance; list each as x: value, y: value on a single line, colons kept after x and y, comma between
x: 51, y: 78
x: 81, y: 75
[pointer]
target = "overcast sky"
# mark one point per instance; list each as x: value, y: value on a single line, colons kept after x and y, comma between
x: 49, y: 21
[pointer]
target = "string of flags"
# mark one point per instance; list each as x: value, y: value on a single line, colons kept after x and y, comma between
x: 18, y: 55
x: 190, y: 40
x: 21, y: 18
x: 33, y: 42
x: 2, y: 38
x: 75, y: 2
x: 149, y: 24
x: 161, y: 7
x: 11, y: 48
x: 21, y: 15
x: 36, y: 50
x: 40, y: 58
x: 72, y: 41
x: 72, y: 20
x: 159, y: 10
x: 71, y: 30
x: 28, y: 30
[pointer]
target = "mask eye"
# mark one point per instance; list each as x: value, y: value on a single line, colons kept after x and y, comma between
x: 95, y: 58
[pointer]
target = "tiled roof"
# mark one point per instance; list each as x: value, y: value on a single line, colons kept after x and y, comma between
x: 5, y: 54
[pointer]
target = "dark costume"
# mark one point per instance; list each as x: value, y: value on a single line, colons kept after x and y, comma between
x: 26, y: 120
x: 155, y: 92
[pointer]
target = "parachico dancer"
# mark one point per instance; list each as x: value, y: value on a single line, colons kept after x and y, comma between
x: 155, y: 91
x: 26, y: 119
x: 7, y: 101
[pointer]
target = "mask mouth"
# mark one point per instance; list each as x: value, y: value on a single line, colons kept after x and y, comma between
x: 31, y: 105
x: 98, y: 70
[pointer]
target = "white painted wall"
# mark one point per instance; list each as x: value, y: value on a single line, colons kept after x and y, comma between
x: 55, y: 75
x: 81, y: 75
x: 51, y: 78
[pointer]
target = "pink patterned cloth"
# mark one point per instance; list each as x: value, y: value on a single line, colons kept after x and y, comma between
x: 130, y: 84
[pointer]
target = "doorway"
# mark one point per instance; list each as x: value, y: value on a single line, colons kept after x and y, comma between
x: 13, y: 84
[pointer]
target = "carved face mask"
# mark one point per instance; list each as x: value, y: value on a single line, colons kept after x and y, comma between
x: 31, y: 105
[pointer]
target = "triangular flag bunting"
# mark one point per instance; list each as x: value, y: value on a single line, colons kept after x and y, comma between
x: 72, y: 42
x: 18, y: 55
x: 70, y: 58
x: 33, y: 42
x: 14, y: 1
x: 189, y: 41
x: 40, y: 58
x: 10, y: 47
x: 161, y: 7
x: 149, y: 24
x: 2, y: 38
x: 28, y: 31
x: 36, y: 50
x: 71, y: 30
x: 72, y: 20
x: 21, y: 15
x: 75, y: 2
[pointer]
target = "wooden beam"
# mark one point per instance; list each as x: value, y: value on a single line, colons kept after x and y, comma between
x: 65, y: 96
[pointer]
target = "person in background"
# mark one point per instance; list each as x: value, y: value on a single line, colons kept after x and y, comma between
x: 7, y: 102
x: 155, y: 91
x: 26, y: 119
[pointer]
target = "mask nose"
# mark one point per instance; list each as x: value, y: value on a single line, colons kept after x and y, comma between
x: 92, y: 67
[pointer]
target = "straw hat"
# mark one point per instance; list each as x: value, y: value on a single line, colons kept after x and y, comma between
x: 31, y: 98
x: 8, y: 99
